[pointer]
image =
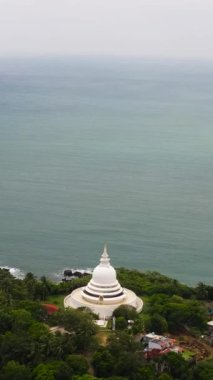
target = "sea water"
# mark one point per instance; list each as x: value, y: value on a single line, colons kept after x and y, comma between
x: 107, y: 150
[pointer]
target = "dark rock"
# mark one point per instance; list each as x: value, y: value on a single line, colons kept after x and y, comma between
x: 77, y: 274
x: 68, y: 273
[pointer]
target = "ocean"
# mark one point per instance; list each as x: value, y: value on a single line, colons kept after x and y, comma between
x: 115, y: 150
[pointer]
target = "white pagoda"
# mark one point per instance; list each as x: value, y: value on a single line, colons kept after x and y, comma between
x: 103, y: 294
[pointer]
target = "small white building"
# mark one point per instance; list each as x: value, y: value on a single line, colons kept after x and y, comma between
x: 103, y: 294
x: 210, y: 325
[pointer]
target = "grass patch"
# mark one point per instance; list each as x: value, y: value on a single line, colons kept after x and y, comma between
x: 145, y: 299
x: 57, y: 300
x: 187, y: 354
x: 103, y: 337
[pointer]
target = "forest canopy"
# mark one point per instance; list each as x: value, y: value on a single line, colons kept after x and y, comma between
x: 29, y: 349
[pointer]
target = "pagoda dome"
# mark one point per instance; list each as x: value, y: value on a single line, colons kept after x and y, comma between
x: 103, y: 285
x: 104, y: 273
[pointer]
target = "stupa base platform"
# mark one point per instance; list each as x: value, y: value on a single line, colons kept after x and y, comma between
x: 103, y: 310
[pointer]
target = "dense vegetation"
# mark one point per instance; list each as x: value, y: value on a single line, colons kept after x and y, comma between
x: 170, y: 306
x: 28, y: 349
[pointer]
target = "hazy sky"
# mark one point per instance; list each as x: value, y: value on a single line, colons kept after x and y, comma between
x: 154, y: 28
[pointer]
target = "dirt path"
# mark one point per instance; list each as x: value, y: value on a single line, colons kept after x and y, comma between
x: 200, y: 348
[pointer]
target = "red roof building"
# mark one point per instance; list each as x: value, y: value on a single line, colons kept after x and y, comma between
x: 50, y: 308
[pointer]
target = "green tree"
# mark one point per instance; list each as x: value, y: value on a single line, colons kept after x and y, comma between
x: 125, y: 311
x: 35, y: 308
x: 5, y: 321
x: 18, y: 347
x: 158, y: 324
x: 120, y: 342
x: 203, y: 370
x: 127, y: 364
x: 79, y: 324
x: 121, y: 323
x: 177, y: 366
x: 202, y: 291
x: 78, y: 364
x: 15, y: 371
x: 165, y: 376
x: 103, y: 363
x: 22, y: 319
x: 43, y: 372
x: 38, y: 330
x: 57, y: 370
x: 85, y: 377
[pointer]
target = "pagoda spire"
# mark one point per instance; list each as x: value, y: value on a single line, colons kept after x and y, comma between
x: 105, y: 257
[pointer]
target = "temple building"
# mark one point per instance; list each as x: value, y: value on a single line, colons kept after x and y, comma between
x: 103, y: 293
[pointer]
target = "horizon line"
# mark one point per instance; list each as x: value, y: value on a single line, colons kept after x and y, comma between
x: 105, y: 57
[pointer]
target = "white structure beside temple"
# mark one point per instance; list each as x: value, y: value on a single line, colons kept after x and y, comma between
x: 103, y: 294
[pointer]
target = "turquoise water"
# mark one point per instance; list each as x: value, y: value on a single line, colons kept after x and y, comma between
x: 107, y: 150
